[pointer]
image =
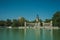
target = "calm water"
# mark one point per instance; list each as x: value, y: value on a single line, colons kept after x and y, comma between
x: 29, y: 34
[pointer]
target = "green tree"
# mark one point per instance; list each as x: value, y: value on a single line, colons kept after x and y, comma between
x: 56, y: 19
x: 8, y: 22
x: 2, y: 22
x: 21, y: 21
x: 15, y: 23
x: 47, y: 20
x: 41, y: 22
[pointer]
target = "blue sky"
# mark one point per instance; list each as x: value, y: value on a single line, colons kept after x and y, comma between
x: 13, y: 9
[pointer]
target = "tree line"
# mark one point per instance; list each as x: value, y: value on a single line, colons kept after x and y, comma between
x: 14, y: 22
x: 20, y: 22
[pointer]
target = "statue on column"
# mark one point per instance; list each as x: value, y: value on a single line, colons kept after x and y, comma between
x: 37, y: 20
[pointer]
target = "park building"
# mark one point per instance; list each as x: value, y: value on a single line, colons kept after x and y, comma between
x: 37, y: 23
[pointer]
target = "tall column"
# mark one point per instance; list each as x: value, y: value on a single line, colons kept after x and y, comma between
x: 51, y: 23
x: 25, y: 24
x: 38, y: 24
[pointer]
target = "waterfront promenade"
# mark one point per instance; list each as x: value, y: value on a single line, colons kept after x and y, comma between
x: 33, y: 27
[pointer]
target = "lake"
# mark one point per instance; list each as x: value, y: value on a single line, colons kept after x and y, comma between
x: 29, y: 34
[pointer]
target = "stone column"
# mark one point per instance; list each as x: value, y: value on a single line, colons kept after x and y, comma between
x: 25, y: 24
x: 38, y: 24
x: 51, y: 23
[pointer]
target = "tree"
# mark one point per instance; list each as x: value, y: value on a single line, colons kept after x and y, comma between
x: 21, y: 21
x: 15, y: 23
x: 2, y: 22
x: 56, y: 19
x: 47, y: 20
x: 41, y: 22
x: 8, y: 22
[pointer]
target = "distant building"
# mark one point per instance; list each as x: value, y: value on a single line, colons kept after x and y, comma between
x: 36, y: 23
x: 37, y: 18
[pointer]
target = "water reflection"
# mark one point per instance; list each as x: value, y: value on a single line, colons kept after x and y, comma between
x: 29, y: 34
x: 47, y: 34
x: 56, y: 34
x: 12, y: 34
x: 39, y: 34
